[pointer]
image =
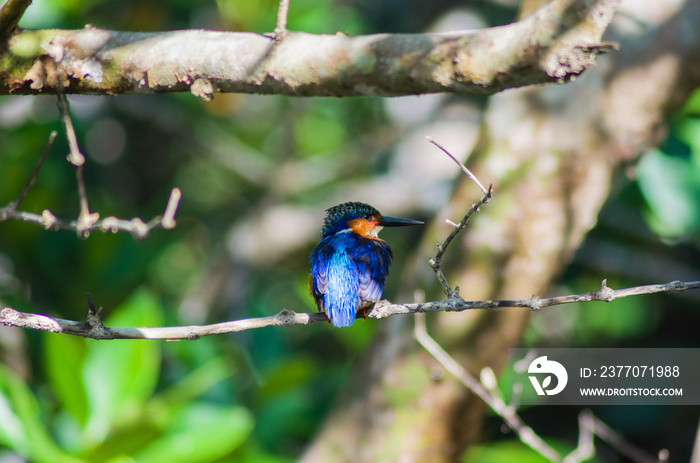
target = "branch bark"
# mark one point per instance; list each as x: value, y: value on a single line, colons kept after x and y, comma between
x: 94, y: 329
x: 556, y: 44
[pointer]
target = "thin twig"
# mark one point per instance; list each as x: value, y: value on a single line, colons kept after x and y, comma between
x: 586, y: 448
x: 462, y: 166
x: 137, y: 227
x: 85, y: 219
x: 168, y: 220
x: 32, y: 178
x: 75, y: 157
x: 382, y: 309
x: 436, y: 262
x: 10, y: 14
x: 695, y: 458
x: 616, y: 441
x: 486, y: 390
x: 282, y: 14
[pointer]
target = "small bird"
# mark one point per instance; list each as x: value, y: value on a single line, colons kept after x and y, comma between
x: 350, y: 264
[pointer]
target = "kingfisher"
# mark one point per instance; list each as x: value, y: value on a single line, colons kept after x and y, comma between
x: 350, y: 264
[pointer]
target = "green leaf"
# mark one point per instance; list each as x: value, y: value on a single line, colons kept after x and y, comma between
x: 200, y: 432
x: 21, y: 428
x: 121, y: 375
x: 253, y: 452
x: 198, y: 381
x: 498, y: 452
x: 514, y: 450
x: 319, y: 130
x: 63, y: 362
x: 669, y: 185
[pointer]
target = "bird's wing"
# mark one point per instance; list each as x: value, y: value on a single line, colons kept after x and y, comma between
x: 372, y: 258
x: 320, y: 260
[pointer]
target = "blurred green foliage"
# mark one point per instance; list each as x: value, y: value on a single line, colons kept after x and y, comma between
x: 255, y: 397
x: 108, y: 406
x: 513, y: 450
x: 260, y: 396
x: 669, y: 177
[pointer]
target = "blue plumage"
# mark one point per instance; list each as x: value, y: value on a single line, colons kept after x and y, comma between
x: 350, y: 264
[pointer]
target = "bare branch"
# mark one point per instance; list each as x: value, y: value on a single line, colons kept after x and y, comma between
x: 634, y: 453
x: 47, y: 220
x: 32, y: 178
x: 468, y: 173
x: 10, y: 14
x: 487, y: 392
x: 76, y: 158
x: 382, y: 309
x: 556, y: 44
x: 137, y: 227
x: 456, y: 304
x: 695, y: 457
x: 86, y: 221
x: 168, y: 220
x: 282, y: 13
x: 12, y: 317
x: 436, y: 262
x: 585, y: 450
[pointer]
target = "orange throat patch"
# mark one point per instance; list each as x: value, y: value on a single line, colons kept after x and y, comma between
x: 365, y: 228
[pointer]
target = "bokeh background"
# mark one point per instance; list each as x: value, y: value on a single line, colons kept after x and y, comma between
x: 257, y: 173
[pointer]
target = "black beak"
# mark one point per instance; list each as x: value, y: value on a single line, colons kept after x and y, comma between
x: 396, y: 222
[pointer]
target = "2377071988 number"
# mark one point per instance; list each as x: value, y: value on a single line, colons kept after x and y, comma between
x: 639, y: 371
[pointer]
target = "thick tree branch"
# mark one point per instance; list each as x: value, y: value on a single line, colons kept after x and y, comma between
x: 382, y: 309
x: 555, y: 44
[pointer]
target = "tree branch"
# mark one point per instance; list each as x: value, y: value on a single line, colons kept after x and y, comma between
x: 588, y: 423
x: 10, y: 14
x: 436, y: 262
x: 486, y: 388
x: 86, y: 221
x: 12, y: 206
x: 282, y: 13
x: 137, y: 227
x: 76, y: 158
x: 557, y: 43
x: 382, y: 309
